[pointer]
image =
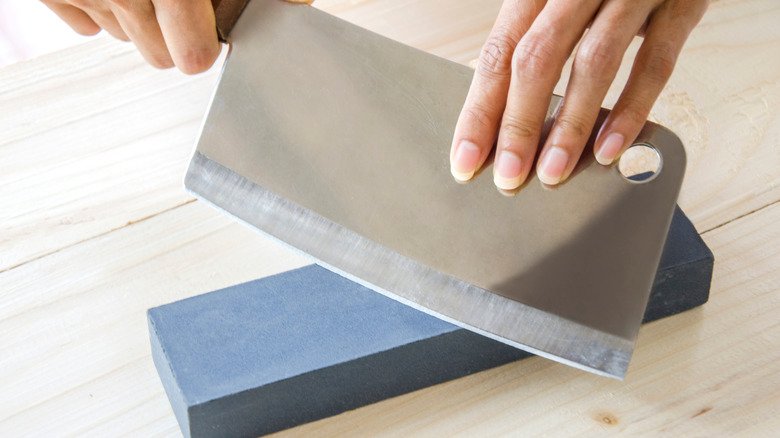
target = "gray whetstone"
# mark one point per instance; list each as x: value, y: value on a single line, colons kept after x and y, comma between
x: 281, y: 351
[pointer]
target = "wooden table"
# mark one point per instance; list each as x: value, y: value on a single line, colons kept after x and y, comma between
x: 95, y: 228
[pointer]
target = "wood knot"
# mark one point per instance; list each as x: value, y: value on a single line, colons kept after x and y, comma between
x: 606, y: 418
x: 702, y: 412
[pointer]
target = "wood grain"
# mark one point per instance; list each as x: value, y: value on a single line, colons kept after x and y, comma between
x: 95, y: 228
x: 723, y: 99
x: 78, y: 347
x: 91, y: 139
x: 724, y: 102
x: 714, y: 371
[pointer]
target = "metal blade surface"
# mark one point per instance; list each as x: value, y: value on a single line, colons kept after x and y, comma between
x: 335, y: 141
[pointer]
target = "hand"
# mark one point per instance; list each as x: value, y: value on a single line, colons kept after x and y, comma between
x: 166, y: 32
x: 522, y: 61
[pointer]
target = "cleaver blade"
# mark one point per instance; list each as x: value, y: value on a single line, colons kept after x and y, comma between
x: 335, y: 141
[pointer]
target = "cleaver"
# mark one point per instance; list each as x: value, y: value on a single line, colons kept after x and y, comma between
x: 335, y: 141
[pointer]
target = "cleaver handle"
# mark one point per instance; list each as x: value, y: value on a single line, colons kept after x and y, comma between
x: 226, y: 14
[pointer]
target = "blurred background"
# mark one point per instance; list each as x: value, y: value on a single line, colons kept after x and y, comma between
x: 28, y: 29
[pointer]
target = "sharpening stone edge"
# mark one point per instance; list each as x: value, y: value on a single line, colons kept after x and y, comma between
x: 303, y: 345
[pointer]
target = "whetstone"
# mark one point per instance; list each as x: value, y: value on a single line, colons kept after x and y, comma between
x: 281, y: 351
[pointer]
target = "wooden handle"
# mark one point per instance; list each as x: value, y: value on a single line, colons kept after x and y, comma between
x: 226, y: 13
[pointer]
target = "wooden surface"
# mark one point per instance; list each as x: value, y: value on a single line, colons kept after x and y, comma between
x: 95, y: 228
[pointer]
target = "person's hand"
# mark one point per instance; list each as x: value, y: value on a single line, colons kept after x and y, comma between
x: 167, y: 32
x: 522, y: 61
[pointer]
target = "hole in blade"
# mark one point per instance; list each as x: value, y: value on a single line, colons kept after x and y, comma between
x: 640, y: 163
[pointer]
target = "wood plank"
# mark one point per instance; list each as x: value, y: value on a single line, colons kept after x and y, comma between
x: 724, y: 102
x: 76, y: 351
x: 714, y: 371
x: 723, y: 99
x: 91, y: 139
x: 99, y: 110
x: 95, y: 228
x: 452, y: 30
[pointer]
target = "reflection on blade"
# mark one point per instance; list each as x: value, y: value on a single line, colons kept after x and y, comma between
x: 335, y: 141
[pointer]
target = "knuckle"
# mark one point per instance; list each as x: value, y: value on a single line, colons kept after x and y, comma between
x: 496, y: 56
x: 123, y: 5
x: 660, y: 61
x: 82, y: 4
x: 86, y: 31
x: 533, y: 58
x: 635, y: 110
x: 196, y: 60
x: 572, y: 124
x: 517, y: 129
x: 161, y: 61
x: 480, y: 116
x: 596, y: 58
x: 120, y: 36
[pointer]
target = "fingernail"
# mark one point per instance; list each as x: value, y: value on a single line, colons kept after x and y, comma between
x: 550, y: 170
x: 465, y: 161
x: 610, y: 148
x: 506, y: 172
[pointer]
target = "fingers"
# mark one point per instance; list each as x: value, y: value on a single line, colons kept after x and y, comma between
x: 537, y: 64
x: 511, y: 98
x: 166, y: 32
x: 475, y: 132
x: 595, y: 66
x: 190, y: 33
x: 88, y: 17
x: 104, y: 17
x: 138, y: 20
x: 667, y: 31
x: 77, y: 19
